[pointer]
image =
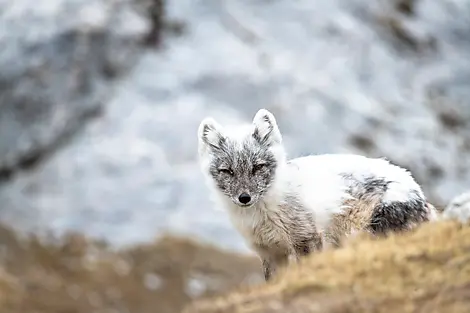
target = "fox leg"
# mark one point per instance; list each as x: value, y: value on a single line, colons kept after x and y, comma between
x: 271, y: 260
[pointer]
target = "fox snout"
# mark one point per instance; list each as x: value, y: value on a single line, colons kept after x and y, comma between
x: 244, y: 198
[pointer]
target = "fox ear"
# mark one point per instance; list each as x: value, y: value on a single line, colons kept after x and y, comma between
x: 266, y: 131
x: 210, y: 134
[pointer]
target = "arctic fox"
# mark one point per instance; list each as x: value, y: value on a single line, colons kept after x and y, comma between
x: 286, y: 209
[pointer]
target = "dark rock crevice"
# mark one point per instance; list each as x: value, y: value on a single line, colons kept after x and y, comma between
x: 51, y: 84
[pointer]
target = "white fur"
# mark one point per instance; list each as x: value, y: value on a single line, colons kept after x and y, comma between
x: 321, y: 190
x: 362, y: 167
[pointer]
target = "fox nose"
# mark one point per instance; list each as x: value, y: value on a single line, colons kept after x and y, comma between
x: 244, y: 198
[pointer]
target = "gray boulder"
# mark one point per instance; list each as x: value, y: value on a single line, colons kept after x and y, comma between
x: 458, y: 208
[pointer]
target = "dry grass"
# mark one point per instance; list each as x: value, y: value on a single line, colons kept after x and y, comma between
x: 76, y: 275
x: 425, y: 271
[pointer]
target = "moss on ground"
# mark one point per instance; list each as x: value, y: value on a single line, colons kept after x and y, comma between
x: 427, y: 270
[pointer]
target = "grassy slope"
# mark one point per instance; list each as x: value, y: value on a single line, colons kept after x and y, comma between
x: 425, y: 271
x: 79, y: 276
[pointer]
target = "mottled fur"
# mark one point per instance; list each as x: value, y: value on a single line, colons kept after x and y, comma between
x: 302, y: 205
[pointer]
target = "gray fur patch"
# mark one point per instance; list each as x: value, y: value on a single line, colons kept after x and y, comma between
x: 247, y: 168
x: 369, y: 185
x: 387, y: 216
x: 398, y: 216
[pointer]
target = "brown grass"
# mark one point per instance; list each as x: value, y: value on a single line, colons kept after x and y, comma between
x: 75, y: 275
x: 427, y: 270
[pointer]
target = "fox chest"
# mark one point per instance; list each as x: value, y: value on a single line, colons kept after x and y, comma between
x: 262, y: 229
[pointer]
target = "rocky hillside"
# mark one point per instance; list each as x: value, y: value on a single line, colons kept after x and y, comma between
x: 58, y: 61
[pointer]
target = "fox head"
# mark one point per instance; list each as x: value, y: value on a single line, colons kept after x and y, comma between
x: 242, y: 162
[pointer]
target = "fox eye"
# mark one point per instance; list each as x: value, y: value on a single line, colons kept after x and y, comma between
x: 226, y: 171
x: 258, y: 167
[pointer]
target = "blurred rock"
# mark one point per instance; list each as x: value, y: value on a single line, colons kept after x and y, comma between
x: 380, y: 78
x: 58, y: 59
x: 459, y: 208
